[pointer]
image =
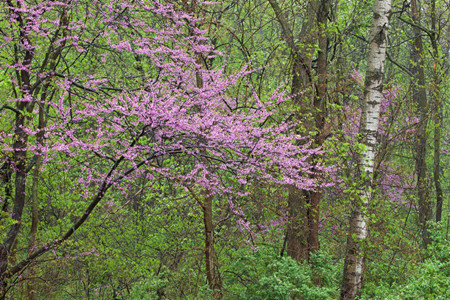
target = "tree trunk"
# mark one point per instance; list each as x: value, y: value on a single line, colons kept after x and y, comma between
x: 19, y: 156
x: 212, y: 274
x: 211, y: 261
x: 437, y: 113
x: 35, y: 199
x: 19, y: 160
x: 297, y: 234
x: 20, y: 144
x: 304, y: 206
x: 353, y: 265
x: 323, y: 8
x: 437, y: 159
x: 420, y: 100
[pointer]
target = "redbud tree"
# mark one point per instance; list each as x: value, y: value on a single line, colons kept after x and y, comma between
x: 109, y: 90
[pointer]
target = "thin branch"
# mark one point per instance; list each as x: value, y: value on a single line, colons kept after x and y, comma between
x: 75, y: 83
x: 10, y: 108
x: 195, y: 196
x: 427, y: 31
x: 403, y: 68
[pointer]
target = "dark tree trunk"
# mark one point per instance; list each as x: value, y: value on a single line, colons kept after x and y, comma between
x: 297, y: 233
x: 420, y: 100
x: 304, y: 206
x: 19, y: 154
x: 212, y: 273
x: 437, y: 113
x: 320, y: 115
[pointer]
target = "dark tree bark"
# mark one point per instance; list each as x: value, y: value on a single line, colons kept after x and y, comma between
x: 19, y: 157
x: 212, y: 274
x: 437, y: 112
x: 304, y: 206
x: 420, y: 100
x: 320, y: 115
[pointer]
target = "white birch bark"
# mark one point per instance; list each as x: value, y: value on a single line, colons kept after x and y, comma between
x: 353, y: 268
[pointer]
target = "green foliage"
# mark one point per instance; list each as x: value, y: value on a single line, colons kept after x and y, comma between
x: 429, y: 279
x: 148, y: 289
x: 262, y: 274
x: 149, y: 240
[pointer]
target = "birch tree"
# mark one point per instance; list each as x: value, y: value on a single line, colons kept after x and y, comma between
x: 353, y: 266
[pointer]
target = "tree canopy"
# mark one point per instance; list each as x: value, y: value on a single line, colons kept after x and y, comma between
x: 235, y: 150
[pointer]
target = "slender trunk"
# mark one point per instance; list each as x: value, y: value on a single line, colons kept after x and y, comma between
x: 213, y: 277
x: 211, y: 261
x: 35, y: 201
x: 437, y: 113
x: 34, y: 204
x: 420, y: 100
x: 19, y: 160
x: 353, y: 265
x: 31, y: 290
x: 19, y: 155
x: 211, y: 264
x: 437, y: 159
x: 320, y: 115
